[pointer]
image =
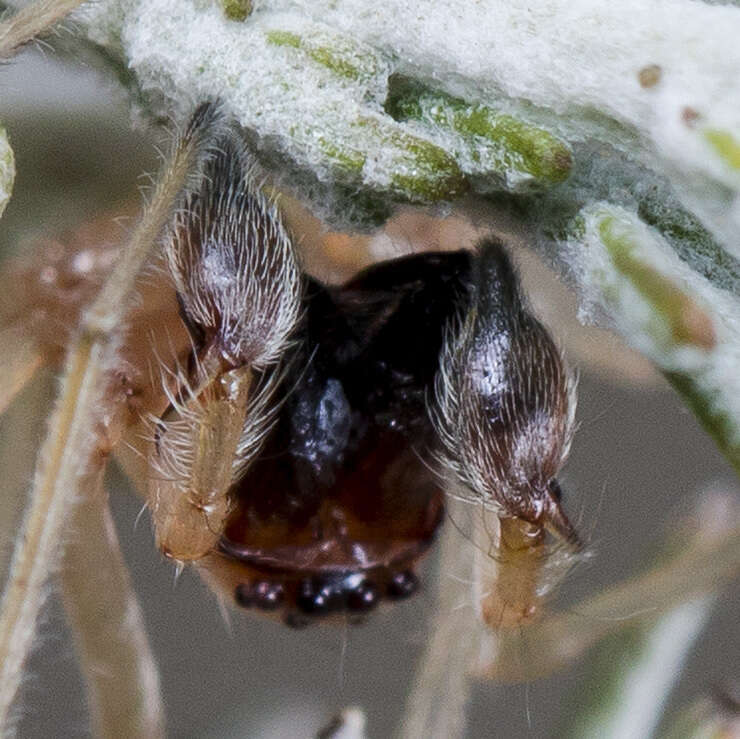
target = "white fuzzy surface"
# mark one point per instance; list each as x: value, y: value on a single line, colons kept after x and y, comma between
x: 715, y: 369
x: 573, y: 58
x: 7, y: 170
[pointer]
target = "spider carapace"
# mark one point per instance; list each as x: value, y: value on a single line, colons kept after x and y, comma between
x: 342, y: 502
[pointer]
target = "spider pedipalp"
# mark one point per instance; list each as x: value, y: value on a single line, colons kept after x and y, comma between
x: 238, y: 286
x: 504, y: 411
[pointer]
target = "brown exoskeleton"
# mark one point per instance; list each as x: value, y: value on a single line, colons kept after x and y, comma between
x: 298, y: 439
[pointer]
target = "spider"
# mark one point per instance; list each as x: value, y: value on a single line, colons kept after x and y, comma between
x: 300, y: 453
x: 298, y: 439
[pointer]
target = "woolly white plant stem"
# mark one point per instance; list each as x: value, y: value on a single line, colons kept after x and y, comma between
x: 7, y: 169
x: 633, y: 672
x: 30, y: 21
x: 631, y: 690
x: 705, y: 718
x: 123, y: 691
x: 311, y: 80
x: 71, y: 448
x: 685, y: 324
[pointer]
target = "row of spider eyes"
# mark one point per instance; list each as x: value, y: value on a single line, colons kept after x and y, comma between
x: 316, y: 596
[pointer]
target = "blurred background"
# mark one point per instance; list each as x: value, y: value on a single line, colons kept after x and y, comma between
x: 639, y: 464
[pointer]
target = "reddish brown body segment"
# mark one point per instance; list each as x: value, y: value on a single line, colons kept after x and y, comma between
x: 44, y: 297
x: 341, y: 502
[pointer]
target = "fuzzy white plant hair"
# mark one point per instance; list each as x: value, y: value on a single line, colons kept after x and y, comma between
x: 233, y: 261
x: 504, y: 402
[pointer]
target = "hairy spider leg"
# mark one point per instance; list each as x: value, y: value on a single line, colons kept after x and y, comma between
x: 76, y: 446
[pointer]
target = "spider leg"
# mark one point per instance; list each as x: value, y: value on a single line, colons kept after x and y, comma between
x: 21, y: 426
x: 441, y: 687
x: 21, y: 358
x: 123, y: 691
x: 83, y: 415
x: 31, y: 21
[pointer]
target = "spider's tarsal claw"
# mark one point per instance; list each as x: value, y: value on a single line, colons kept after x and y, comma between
x: 556, y: 521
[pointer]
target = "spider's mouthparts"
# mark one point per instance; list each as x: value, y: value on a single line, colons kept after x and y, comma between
x: 339, y: 501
